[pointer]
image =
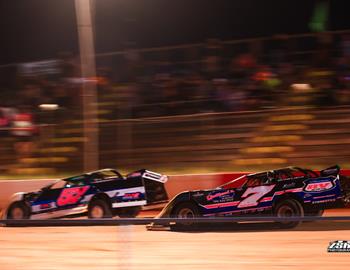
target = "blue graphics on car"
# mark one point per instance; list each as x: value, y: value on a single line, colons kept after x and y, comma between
x: 283, y: 192
x: 100, y: 193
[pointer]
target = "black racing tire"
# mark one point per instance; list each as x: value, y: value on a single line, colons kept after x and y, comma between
x: 186, y: 210
x: 18, y: 210
x: 128, y: 212
x: 99, y: 209
x: 288, y: 208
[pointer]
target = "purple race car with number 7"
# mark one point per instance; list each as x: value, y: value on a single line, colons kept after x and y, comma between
x: 285, y: 192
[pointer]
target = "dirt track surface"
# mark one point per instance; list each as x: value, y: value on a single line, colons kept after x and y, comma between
x: 245, y: 246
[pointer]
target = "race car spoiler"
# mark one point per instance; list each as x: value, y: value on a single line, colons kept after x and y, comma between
x: 154, y: 176
x: 146, y: 174
x: 154, y: 185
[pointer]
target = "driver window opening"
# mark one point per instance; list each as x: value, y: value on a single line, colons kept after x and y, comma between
x: 59, y: 184
x: 70, y: 184
x: 253, y: 182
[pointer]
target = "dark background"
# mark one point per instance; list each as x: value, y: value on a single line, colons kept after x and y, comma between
x: 39, y: 29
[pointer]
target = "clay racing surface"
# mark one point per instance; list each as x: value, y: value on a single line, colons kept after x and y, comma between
x: 253, y: 246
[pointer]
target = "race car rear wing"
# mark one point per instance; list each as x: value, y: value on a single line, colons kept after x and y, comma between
x: 344, y: 182
x: 154, y: 185
x: 154, y: 176
x: 331, y: 171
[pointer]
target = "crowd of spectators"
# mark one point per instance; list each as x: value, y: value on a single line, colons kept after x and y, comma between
x: 251, y: 75
x: 212, y: 77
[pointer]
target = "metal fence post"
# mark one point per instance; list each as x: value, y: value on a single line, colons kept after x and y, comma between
x: 88, y: 74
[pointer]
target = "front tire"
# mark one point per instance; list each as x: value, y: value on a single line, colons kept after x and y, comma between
x: 99, y: 209
x: 18, y: 210
x: 185, y: 210
x: 289, y: 208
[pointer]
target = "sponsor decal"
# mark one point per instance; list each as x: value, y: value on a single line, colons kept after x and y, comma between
x: 132, y: 196
x: 339, y: 246
x: 210, y: 197
x: 219, y: 205
x: 71, y: 195
x: 324, y: 201
x: 319, y: 186
x: 45, y: 206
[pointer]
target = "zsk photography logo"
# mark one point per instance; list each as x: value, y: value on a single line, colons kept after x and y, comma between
x: 339, y: 246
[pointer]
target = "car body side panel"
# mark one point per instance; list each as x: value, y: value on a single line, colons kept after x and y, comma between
x: 73, y: 199
x: 318, y: 192
x: 322, y: 191
x: 59, y: 202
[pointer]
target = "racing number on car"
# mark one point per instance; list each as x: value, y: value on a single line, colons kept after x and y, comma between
x: 255, y: 193
x: 71, y: 195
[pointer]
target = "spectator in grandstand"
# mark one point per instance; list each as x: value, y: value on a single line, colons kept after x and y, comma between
x: 323, y: 55
x: 212, y: 61
x: 60, y: 95
x: 229, y: 98
x: 345, y: 46
x: 31, y: 96
x: 278, y: 50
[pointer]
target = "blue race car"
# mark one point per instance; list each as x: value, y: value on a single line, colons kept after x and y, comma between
x: 283, y: 192
x: 101, y: 194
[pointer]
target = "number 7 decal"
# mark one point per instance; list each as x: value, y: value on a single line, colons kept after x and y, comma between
x: 255, y: 193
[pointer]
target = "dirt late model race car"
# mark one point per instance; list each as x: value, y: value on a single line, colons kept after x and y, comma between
x: 283, y: 192
x: 101, y: 194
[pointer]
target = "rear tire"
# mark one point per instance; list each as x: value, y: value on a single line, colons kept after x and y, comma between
x: 18, y: 210
x: 289, y: 208
x: 99, y: 209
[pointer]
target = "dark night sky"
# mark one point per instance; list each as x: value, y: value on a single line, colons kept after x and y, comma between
x: 39, y: 29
